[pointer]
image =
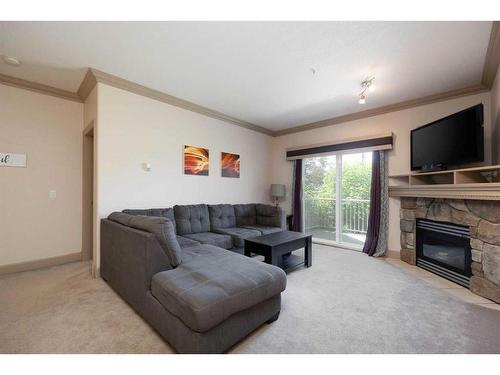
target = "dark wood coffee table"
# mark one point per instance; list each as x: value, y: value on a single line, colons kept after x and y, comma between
x: 273, y: 246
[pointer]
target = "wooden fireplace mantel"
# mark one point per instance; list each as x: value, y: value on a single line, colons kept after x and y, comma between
x: 470, y: 183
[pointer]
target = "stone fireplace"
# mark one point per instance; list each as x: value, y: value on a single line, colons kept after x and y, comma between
x: 483, y: 219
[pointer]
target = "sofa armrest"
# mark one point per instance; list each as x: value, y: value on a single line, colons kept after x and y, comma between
x: 129, y: 260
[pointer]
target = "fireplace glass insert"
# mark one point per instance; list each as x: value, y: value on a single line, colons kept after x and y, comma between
x: 444, y: 249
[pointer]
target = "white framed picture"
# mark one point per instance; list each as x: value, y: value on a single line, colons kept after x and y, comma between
x: 8, y: 159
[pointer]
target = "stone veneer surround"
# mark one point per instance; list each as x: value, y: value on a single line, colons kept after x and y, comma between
x: 483, y: 219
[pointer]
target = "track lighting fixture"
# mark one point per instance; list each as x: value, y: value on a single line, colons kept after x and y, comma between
x: 366, y: 86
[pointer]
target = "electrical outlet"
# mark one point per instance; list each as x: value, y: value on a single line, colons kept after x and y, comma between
x: 52, y: 194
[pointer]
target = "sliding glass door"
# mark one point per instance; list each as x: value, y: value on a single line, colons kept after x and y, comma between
x: 320, y: 180
x: 337, y: 197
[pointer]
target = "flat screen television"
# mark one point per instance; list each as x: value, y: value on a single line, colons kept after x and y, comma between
x: 453, y: 140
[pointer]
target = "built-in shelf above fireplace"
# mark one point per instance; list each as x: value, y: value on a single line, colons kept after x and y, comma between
x: 470, y: 183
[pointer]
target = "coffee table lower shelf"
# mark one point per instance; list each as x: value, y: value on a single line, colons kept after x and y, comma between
x: 289, y: 263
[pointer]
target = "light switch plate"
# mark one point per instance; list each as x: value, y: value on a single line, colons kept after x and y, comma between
x: 52, y: 194
x: 146, y: 167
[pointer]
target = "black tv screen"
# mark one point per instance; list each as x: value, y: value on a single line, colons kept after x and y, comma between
x: 455, y: 139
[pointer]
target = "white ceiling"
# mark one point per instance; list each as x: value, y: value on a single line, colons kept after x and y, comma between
x: 259, y: 72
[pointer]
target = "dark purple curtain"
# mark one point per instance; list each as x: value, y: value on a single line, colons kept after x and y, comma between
x: 297, y: 197
x: 372, y: 234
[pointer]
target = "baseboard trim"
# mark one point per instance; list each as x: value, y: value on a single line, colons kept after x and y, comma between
x: 96, y: 272
x: 40, y: 263
x: 393, y: 254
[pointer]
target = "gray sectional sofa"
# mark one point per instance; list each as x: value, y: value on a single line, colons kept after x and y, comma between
x: 172, y: 265
x: 222, y: 225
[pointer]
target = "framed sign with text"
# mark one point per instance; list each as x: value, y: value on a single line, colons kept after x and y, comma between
x: 12, y: 160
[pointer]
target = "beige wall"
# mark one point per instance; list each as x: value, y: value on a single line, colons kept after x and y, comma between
x: 400, y: 123
x: 49, y: 131
x: 133, y: 129
x: 90, y: 108
x: 495, y: 118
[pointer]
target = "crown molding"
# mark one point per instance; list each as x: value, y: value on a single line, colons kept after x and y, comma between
x: 39, y: 88
x: 470, y: 90
x: 492, y: 60
x: 491, y: 64
x: 87, y: 85
x: 95, y: 76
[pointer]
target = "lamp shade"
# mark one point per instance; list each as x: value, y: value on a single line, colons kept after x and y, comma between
x: 278, y: 190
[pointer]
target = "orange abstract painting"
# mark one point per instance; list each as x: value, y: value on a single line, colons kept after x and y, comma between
x: 196, y: 160
x: 230, y: 164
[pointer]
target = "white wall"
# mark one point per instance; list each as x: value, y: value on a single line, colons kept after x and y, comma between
x: 400, y: 123
x: 133, y: 129
x: 49, y: 131
x: 495, y: 118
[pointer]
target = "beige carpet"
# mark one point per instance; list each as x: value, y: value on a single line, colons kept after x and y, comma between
x: 346, y: 303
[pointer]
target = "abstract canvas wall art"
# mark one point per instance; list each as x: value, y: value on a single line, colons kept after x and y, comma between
x: 230, y: 165
x: 196, y: 160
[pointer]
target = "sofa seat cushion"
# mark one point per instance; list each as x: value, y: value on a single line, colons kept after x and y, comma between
x: 221, y: 240
x: 211, y: 284
x: 185, y: 242
x: 263, y: 229
x: 239, y: 234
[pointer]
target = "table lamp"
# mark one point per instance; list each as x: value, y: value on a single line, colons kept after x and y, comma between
x: 278, y: 191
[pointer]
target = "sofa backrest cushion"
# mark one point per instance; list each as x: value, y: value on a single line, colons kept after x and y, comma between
x: 245, y: 214
x: 269, y: 216
x: 221, y: 216
x: 192, y: 219
x: 157, y: 212
x: 164, y: 231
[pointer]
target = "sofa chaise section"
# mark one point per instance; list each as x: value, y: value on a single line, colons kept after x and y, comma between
x: 206, y: 304
x: 212, y: 284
